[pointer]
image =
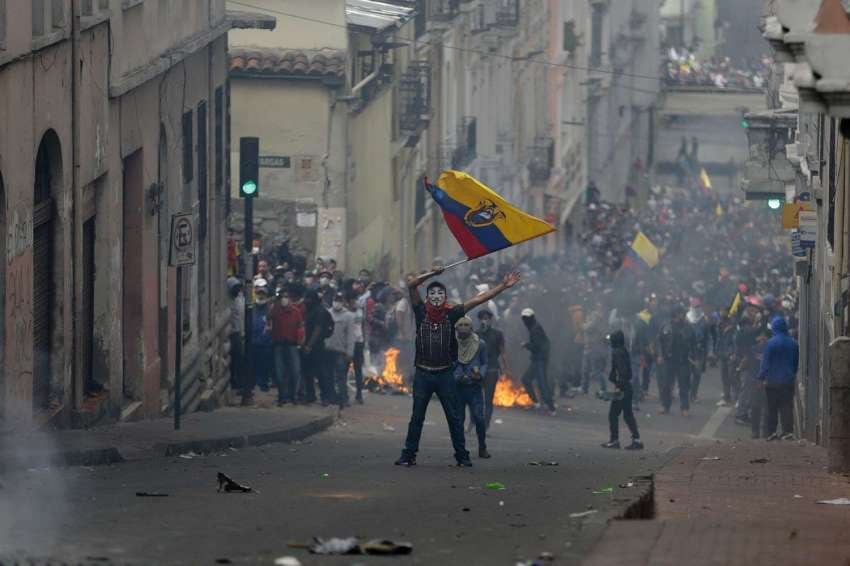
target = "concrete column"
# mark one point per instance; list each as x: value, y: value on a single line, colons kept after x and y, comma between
x: 839, y: 405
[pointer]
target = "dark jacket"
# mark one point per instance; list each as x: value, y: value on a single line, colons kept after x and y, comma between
x: 621, y: 364
x: 538, y: 343
x: 781, y: 356
x: 676, y: 342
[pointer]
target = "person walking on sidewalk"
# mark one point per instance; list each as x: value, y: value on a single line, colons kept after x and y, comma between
x: 621, y: 401
x: 779, y: 364
x: 340, y: 347
x: 286, y: 326
x: 436, y: 355
x: 469, y: 372
x: 538, y: 345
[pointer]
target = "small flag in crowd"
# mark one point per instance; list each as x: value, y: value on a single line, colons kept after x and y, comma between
x: 736, y: 305
x: 642, y: 255
x: 481, y: 220
x: 704, y: 179
x: 718, y: 210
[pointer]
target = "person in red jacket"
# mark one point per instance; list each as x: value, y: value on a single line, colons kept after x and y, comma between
x: 286, y: 324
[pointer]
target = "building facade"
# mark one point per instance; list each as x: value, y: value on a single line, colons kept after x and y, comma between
x: 113, y: 118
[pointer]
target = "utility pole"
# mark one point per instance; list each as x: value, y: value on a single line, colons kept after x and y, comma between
x: 249, y: 188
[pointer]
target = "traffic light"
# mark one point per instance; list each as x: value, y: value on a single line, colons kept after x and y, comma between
x: 249, y: 167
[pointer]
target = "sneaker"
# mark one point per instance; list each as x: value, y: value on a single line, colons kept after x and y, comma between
x: 772, y: 437
x: 247, y: 400
x: 686, y: 413
x: 788, y: 436
x: 537, y: 405
x: 407, y: 461
x: 482, y: 453
x: 615, y: 444
x: 359, y: 399
x: 464, y: 463
x: 635, y: 445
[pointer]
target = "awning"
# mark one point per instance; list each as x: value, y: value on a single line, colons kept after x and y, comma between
x: 376, y: 16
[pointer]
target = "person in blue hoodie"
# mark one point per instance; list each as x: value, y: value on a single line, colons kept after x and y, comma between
x: 261, y: 340
x: 778, y: 371
x: 469, y: 372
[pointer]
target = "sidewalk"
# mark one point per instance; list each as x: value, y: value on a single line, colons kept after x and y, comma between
x: 722, y: 504
x: 200, y: 432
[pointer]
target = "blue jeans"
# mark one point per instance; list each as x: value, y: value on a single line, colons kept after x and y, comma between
x: 287, y: 374
x: 264, y: 365
x: 339, y: 369
x: 425, y: 384
x: 536, y: 373
x: 472, y: 395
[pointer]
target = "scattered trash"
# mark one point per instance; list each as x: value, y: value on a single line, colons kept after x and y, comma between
x: 346, y: 546
x: 387, y: 427
x: 326, y: 475
x: 759, y: 461
x: 606, y: 489
x: 335, y: 546
x: 839, y: 501
x: 798, y: 496
x: 583, y: 514
x: 501, y: 503
x: 496, y: 485
x: 287, y: 561
x: 499, y: 421
x: 223, y: 561
x: 150, y: 494
x: 529, y: 563
x: 793, y: 534
x: 627, y: 485
x: 465, y: 509
x: 227, y: 484
x: 543, y: 464
x: 547, y: 557
x: 710, y: 458
x: 189, y: 455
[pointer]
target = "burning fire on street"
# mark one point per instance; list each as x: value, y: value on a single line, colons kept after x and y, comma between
x: 391, y: 379
x: 509, y: 394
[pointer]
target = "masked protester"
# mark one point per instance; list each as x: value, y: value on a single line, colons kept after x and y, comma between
x: 497, y: 360
x: 537, y: 372
x: 340, y: 346
x: 676, y: 347
x: 261, y: 339
x: 436, y: 355
x: 286, y: 326
x: 700, y: 327
x: 318, y: 327
x: 621, y: 401
x: 469, y: 374
x: 779, y: 365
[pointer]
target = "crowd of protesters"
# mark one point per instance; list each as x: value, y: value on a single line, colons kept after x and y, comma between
x: 684, y: 68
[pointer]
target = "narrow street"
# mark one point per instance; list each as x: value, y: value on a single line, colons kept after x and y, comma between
x: 342, y: 483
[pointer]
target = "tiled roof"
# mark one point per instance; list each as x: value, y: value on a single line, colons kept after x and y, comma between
x: 319, y: 64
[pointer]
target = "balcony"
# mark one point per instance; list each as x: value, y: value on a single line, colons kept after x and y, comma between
x: 465, y: 151
x: 414, y: 90
x: 768, y: 170
x: 507, y: 14
x: 541, y: 160
x: 443, y: 11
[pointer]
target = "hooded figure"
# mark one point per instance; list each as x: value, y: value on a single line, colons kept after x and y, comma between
x: 469, y: 374
x: 779, y: 365
x: 621, y: 401
x: 538, y: 345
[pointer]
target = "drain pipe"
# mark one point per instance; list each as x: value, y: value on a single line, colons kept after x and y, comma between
x: 355, y: 90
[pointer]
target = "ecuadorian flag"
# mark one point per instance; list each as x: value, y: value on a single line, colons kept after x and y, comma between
x: 642, y: 255
x: 481, y: 220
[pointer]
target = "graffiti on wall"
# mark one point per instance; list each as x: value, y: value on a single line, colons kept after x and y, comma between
x: 19, y: 234
x: 19, y: 239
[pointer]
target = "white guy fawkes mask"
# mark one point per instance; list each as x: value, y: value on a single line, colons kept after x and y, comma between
x: 437, y: 296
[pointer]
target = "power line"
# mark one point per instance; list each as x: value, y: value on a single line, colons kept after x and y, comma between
x: 544, y: 62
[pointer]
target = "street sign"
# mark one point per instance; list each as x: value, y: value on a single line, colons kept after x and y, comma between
x: 797, y: 246
x: 182, y: 240
x: 791, y: 214
x: 805, y: 197
x: 808, y: 228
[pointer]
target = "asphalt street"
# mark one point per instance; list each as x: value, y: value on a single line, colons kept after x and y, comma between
x: 342, y: 483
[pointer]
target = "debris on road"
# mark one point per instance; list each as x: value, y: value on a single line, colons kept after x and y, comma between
x: 150, y: 494
x: 499, y: 421
x: 627, y: 485
x: 326, y: 475
x: 759, y: 461
x: 335, y: 546
x: 839, y: 501
x: 227, y: 484
x: 603, y: 490
x: 710, y: 458
x: 387, y: 427
x: 466, y: 509
x: 287, y: 561
x: 543, y: 463
x: 583, y: 514
x: 189, y: 455
x: 547, y: 557
x: 385, y: 547
x: 496, y: 485
x: 796, y: 496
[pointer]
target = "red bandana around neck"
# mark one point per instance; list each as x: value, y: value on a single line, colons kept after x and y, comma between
x: 436, y: 315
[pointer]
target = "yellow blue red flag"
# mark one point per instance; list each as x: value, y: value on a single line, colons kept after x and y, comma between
x: 642, y: 254
x: 481, y: 220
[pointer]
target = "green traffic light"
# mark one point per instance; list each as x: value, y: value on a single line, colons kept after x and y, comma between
x: 774, y: 203
x: 249, y: 188
x: 745, y: 124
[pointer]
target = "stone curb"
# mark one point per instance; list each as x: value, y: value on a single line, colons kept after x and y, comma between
x: 112, y: 454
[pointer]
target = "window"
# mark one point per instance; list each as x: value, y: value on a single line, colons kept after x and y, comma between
x: 832, y: 163
x: 86, y: 8
x: 57, y: 14
x: 419, y: 204
x: 37, y: 18
x: 227, y: 149
x: 2, y: 24
x: 596, y: 31
x: 188, y: 160
x: 202, y: 171
x: 219, y: 141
